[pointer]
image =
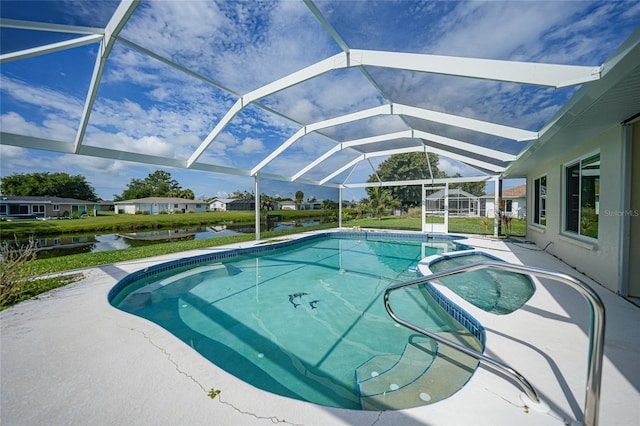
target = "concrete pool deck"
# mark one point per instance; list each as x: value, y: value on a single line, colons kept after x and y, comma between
x: 69, y: 357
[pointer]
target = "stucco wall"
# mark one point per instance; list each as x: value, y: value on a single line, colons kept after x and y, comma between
x: 597, y: 259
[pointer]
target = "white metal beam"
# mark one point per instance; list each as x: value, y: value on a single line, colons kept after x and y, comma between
x: 50, y: 48
x: 347, y: 118
x: 297, y: 135
x: 506, y: 132
x: 235, y: 109
x: 174, y: 65
x: 519, y: 72
x: 343, y: 168
x: 487, y: 152
x: 48, y: 26
x: 550, y: 75
x: 490, y: 153
x: 327, y: 26
x: 334, y: 62
x: 486, y: 127
x: 317, y: 161
x: 422, y: 148
x: 114, y: 26
x: 419, y: 182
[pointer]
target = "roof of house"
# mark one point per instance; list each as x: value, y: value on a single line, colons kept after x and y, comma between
x: 156, y: 200
x: 453, y: 193
x: 223, y: 200
x: 515, y: 192
x: 42, y: 199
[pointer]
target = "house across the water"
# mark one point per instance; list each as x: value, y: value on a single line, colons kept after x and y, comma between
x: 32, y: 207
x: 156, y: 205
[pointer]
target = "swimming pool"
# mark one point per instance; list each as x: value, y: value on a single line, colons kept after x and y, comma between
x: 306, y: 319
x: 496, y: 291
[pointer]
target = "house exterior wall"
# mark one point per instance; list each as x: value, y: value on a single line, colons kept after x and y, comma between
x: 43, y: 209
x: 155, y: 208
x: 218, y: 206
x: 518, y: 207
x: 595, y: 258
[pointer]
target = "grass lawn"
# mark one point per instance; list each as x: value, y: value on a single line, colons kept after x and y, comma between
x: 463, y: 225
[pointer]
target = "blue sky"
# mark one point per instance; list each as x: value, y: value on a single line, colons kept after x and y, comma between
x: 146, y: 106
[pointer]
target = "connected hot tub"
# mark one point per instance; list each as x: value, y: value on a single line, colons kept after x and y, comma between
x: 496, y: 291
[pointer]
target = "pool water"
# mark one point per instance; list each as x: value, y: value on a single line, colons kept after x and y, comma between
x: 496, y: 291
x: 308, y: 321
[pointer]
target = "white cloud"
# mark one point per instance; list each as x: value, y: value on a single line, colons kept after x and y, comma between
x: 40, y: 97
x: 249, y: 146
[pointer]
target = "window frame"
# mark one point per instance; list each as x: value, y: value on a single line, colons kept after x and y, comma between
x: 537, y: 198
x: 566, y: 167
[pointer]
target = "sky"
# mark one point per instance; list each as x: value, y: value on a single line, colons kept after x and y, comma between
x: 235, y: 47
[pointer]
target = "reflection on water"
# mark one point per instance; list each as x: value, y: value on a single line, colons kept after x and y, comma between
x: 62, y: 245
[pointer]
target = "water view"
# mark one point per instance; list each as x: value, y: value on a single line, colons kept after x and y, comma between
x: 63, y: 245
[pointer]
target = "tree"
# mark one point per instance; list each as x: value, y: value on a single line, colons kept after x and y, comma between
x: 329, y: 205
x: 266, y: 204
x: 407, y: 166
x: 182, y: 193
x: 299, y: 198
x: 241, y: 195
x: 156, y: 184
x: 51, y: 184
x: 380, y: 200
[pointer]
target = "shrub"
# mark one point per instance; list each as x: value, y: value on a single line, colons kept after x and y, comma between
x: 162, y: 212
x: 15, y: 269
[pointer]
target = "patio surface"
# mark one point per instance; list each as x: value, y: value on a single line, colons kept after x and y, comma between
x: 69, y: 357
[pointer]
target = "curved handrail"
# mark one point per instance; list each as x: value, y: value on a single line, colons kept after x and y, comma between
x: 596, y: 330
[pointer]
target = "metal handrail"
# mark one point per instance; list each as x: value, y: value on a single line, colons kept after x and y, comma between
x: 596, y: 330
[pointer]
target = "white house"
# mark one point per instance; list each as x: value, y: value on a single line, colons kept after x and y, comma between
x: 220, y: 204
x: 43, y: 206
x: 288, y: 205
x: 583, y: 178
x: 155, y: 205
x: 514, y: 202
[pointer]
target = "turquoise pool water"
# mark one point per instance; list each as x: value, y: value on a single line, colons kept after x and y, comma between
x: 306, y: 321
x: 496, y: 291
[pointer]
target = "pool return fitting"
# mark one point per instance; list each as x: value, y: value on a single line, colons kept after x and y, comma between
x: 530, y: 397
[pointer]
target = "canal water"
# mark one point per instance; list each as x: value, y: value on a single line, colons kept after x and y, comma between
x: 62, y: 245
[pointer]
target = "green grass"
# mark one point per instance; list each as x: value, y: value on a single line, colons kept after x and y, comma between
x: 33, y: 288
x: 462, y: 225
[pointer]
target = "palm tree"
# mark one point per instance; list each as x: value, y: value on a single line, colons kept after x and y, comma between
x: 299, y: 199
x: 266, y: 203
x: 380, y: 200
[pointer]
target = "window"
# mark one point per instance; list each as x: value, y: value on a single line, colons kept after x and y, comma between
x: 38, y: 209
x: 540, y: 201
x: 56, y: 207
x: 3, y: 209
x: 582, y: 196
x: 508, y: 207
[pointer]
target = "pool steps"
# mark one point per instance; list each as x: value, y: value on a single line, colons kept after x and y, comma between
x: 386, y: 372
x: 425, y: 373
